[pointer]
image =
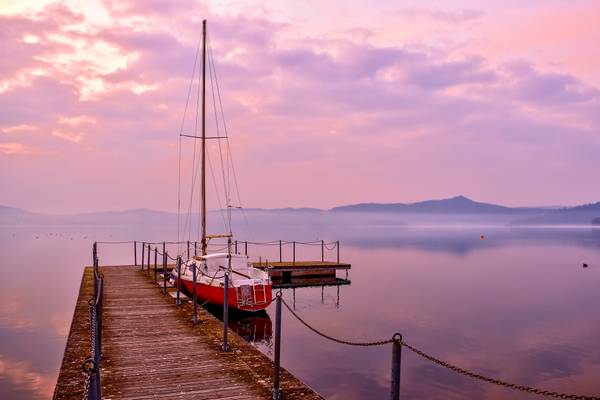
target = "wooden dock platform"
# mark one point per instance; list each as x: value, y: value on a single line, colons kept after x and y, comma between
x: 296, y: 269
x: 152, y: 350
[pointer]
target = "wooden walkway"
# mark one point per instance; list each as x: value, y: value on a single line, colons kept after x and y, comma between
x: 152, y: 350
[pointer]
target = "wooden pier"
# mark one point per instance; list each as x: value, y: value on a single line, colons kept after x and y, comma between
x: 151, y: 349
x: 287, y: 270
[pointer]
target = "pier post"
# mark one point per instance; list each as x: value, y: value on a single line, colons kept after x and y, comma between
x: 195, y: 249
x: 178, y: 265
x: 165, y: 259
x: 226, y: 296
x: 337, y: 245
x: 322, y: 250
x: 277, y: 349
x: 246, y: 248
x: 280, y: 252
x: 188, y: 249
x: 155, y: 263
x: 294, y: 252
x: 236, y: 251
x: 396, y: 359
x: 143, y: 252
x: 225, y: 310
x: 194, y: 297
x: 148, y: 265
x: 134, y: 252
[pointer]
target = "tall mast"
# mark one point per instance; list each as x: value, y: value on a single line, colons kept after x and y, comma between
x: 203, y: 182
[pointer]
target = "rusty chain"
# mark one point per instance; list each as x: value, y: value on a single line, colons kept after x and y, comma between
x: 342, y: 341
x: 444, y: 364
x: 498, y: 382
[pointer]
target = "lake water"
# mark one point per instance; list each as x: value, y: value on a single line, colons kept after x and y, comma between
x: 516, y: 305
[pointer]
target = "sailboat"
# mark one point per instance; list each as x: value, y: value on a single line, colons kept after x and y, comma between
x: 220, y: 276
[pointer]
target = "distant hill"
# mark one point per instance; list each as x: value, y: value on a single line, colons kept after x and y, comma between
x: 454, y: 205
x: 579, y: 215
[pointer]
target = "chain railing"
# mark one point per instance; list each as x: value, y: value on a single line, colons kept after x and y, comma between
x: 397, y: 344
x: 91, y: 366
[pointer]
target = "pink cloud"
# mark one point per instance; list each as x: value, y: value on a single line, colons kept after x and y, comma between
x: 439, y: 120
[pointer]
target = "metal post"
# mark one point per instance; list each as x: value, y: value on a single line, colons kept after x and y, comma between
x: 337, y: 303
x: 280, y: 251
x: 188, y: 249
x: 396, y: 359
x: 277, y: 350
x: 178, y: 265
x: 195, y: 319
x: 155, y: 259
x: 134, y: 252
x: 195, y: 249
x: 337, y: 245
x: 322, y: 250
x: 165, y: 259
x: 294, y: 252
x: 322, y: 294
x: 148, y: 265
x: 143, y: 252
x: 246, y: 247
x: 225, y: 311
x: 236, y: 251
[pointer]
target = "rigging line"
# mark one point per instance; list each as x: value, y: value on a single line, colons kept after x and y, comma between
x: 214, y: 180
x: 195, y: 166
x: 231, y: 156
x: 187, y: 101
x: 225, y: 184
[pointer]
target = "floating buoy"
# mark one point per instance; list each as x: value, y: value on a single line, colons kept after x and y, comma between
x: 482, y: 237
x: 585, y: 265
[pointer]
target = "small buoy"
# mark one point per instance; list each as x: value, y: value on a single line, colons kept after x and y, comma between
x: 482, y: 237
x: 585, y: 265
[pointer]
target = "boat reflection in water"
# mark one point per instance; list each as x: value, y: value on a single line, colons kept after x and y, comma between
x: 256, y: 327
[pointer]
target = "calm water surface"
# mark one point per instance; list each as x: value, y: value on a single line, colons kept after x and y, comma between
x: 517, y: 306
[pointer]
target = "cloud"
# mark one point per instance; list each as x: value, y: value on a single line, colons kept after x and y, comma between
x: 291, y: 99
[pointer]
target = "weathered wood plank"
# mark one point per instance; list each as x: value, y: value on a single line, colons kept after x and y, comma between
x: 151, y: 349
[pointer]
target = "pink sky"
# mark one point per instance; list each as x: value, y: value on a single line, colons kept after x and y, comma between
x: 327, y: 103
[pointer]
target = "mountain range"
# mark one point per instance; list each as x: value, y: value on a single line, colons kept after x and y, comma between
x: 455, y: 209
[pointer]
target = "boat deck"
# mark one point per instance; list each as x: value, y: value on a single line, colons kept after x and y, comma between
x: 152, y: 350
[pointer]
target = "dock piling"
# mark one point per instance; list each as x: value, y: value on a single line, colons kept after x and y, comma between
x: 322, y: 250
x: 277, y: 349
x: 148, y: 264
x: 337, y: 245
x: 188, y: 249
x: 225, y: 310
x: 143, y: 250
x: 134, y: 253
x: 246, y: 248
x: 194, y: 296
x: 178, y: 278
x: 294, y: 252
x: 155, y: 261
x: 165, y: 259
x: 195, y: 249
x: 280, y: 252
x: 396, y: 359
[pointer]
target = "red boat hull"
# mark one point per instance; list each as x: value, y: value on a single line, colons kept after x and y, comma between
x: 214, y: 295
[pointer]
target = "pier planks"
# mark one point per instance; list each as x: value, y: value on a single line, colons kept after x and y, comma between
x: 151, y: 349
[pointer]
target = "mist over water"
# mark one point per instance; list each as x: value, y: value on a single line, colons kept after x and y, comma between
x: 516, y: 305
